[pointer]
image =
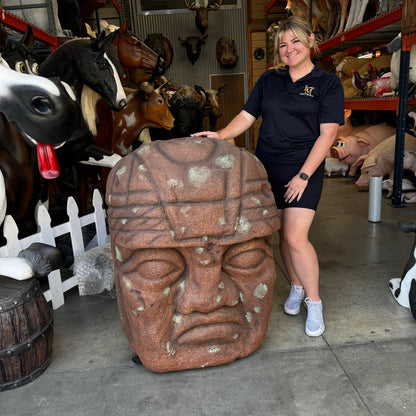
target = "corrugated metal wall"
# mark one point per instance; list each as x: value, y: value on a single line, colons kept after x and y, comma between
x: 229, y: 22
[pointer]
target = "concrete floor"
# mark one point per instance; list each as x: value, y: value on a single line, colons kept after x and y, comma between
x: 364, y: 364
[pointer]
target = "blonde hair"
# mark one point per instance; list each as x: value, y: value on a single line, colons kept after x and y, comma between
x: 300, y: 28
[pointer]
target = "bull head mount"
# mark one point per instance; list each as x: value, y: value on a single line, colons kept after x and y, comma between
x: 193, y: 46
x: 201, y: 17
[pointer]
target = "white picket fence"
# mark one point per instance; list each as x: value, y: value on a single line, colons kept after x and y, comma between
x: 47, y: 235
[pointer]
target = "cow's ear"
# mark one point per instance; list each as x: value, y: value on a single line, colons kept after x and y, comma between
x: 28, y: 38
x: 3, y: 36
x: 182, y: 40
x: 203, y: 38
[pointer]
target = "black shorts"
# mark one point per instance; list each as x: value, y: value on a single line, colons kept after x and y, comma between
x: 279, y: 175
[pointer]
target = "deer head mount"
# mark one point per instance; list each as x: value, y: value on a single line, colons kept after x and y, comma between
x: 201, y: 17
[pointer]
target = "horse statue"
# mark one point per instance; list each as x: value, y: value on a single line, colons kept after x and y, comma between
x: 91, y: 67
x: 88, y: 64
x: 36, y: 114
x: 140, y: 62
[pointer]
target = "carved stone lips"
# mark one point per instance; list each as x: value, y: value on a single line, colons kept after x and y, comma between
x: 222, y: 326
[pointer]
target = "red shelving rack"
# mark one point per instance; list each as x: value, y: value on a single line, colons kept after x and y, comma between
x: 378, y: 30
x: 20, y: 25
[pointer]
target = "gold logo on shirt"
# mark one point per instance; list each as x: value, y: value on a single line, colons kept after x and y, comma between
x: 308, y: 91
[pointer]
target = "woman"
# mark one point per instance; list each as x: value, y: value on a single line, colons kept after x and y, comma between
x: 302, y: 107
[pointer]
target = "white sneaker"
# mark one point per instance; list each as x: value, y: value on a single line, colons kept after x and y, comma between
x: 314, y: 322
x: 293, y: 302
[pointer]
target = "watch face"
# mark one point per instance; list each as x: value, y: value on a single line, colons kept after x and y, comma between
x: 304, y: 176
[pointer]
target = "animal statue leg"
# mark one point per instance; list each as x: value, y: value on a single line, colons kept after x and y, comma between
x: 3, y: 200
x: 38, y: 260
x: 354, y: 5
x: 412, y: 298
x: 383, y: 6
x: 360, y: 15
x: 344, y: 11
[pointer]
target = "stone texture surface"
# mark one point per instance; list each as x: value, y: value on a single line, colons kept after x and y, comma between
x: 191, y: 223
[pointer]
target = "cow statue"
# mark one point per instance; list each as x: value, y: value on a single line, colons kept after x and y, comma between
x: 187, y: 106
x: 404, y: 289
x: 201, y: 17
x: 193, y: 46
x: 226, y: 52
x: 213, y: 106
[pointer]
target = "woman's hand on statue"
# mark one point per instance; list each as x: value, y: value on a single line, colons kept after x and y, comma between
x: 212, y: 134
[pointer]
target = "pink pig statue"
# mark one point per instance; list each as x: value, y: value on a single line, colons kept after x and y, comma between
x: 406, y: 186
x: 378, y: 161
x: 409, y: 160
x: 348, y: 149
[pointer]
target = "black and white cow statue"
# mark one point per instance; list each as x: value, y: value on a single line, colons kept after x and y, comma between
x: 404, y: 288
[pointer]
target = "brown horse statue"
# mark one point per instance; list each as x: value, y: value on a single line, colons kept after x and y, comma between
x: 139, y: 61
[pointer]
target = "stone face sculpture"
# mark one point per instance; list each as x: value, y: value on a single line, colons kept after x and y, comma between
x: 191, y: 223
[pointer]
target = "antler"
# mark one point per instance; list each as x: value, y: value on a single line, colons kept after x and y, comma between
x: 194, y: 6
x: 215, y: 6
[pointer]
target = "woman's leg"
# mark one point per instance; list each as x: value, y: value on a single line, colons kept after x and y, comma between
x: 302, y: 265
x: 297, y: 252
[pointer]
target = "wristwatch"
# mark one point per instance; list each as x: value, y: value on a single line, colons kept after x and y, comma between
x: 304, y: 176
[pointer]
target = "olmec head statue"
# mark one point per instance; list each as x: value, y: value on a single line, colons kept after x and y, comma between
x: 191, y: 223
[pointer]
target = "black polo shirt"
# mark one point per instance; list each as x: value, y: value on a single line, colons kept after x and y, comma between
x: 293, y: 111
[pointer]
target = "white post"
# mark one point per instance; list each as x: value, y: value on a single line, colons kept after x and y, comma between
x: 374, y: 203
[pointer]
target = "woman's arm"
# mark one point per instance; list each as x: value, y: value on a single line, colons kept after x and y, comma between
x: 240, y: 123
x: 328, y: 132
x: 297, y: 185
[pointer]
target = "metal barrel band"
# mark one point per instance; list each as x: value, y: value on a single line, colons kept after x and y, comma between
x: 18, y: 299
x: 18, y: 348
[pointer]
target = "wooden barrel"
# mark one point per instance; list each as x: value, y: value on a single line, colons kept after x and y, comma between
x: 26, y: 332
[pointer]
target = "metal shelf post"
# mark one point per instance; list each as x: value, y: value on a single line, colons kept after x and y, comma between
x: 400, y: 128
